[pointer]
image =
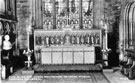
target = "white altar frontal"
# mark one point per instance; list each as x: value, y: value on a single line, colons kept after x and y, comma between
x: 68, y: 55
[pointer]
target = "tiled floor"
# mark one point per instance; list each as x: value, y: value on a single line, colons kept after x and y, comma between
x: 70, y: 77
x: 117, y: 77
x: 17, y: 77
x: 113, y: 77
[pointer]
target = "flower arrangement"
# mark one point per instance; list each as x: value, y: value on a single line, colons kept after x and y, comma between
x: 106, y: 51
x: 28, y: 53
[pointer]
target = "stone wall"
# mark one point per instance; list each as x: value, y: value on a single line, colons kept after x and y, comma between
x: 26, y: 9
x: 121, y: 25
x: 98, y: 12
x: 24, y: 15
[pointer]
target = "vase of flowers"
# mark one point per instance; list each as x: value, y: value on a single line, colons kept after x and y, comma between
x: 105, y: 56
x: 28, y: 53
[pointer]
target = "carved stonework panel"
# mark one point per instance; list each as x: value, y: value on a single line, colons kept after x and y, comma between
x: 61, y: 38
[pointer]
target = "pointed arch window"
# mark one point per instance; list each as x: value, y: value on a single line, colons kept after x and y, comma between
x: 60, y: 14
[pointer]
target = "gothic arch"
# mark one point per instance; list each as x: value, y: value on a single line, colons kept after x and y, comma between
x: 1, y: 28
x: 7, y: 28
x: 129, y: 24
x: 127, y: 27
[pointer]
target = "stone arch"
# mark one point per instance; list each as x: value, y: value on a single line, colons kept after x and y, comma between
x: 7, y: 28
x: 129, y: 23
x: 127, y: 27
x: 1, y: 28
x: 13, y: 28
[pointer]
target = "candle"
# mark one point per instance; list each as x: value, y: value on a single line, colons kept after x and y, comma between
x: 28, y: 31
x: 28, y: 38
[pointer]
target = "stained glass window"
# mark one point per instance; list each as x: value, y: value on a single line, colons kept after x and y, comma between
x: 74, y: 6
x: 87, y: 13
x: 2, y: 6
x: 47, y: 10
x: 60, y: 14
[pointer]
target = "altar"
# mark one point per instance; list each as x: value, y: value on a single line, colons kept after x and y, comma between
x: 66, y: 46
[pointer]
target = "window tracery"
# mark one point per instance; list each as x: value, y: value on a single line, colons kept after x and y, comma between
x: 60, y: 14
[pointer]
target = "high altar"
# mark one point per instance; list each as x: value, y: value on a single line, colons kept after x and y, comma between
x: 67, y: 34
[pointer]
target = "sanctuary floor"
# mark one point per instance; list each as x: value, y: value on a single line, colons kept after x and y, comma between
x: 111, y: 76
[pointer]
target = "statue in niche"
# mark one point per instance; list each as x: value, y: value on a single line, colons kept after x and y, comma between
x: 55, y: 42
x: 77, y: 39
x: 67, y: 39
x: 63, y: 24
x: 72, y: 39
x: 58, y: 25
x: 52, y: 40
x: 77, y: 25
x: 90, y: 42
x: 97, y: 39
x: 75, y: 36
x: 47, y: 40
x: 87, y: 39
x: 85, y: 24
x: 1, y: 29
x: 89, y: 24
x: 82, y: 39
x: 45, y: 26
x: 72, y: 24
x: 7, y: 29
x: 61, y: 40
x: 50, y: 25
x: 42, y: 40
x: 92, y: 39
x: 57, y: 39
